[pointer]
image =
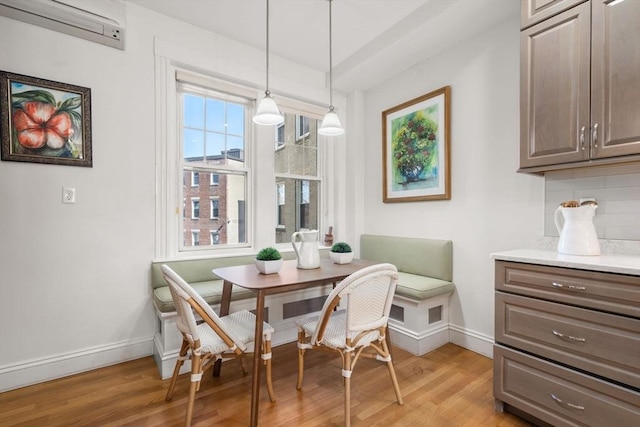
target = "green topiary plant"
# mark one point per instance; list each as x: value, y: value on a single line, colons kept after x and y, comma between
x: 341, y: 247
x: 268, y: 254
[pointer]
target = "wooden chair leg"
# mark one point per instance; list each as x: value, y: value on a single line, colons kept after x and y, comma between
x: 301, y: 340
x: 267, y: 351
x: 184, y: 348
x: 196, y: 373
x: 347, y: 388
x: 392, y: 373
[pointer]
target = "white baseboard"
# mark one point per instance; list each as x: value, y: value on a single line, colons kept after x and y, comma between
x: 62, y: 365
x: 471, y: 340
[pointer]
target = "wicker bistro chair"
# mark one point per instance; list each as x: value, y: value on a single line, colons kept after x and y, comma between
x: 368, y: 293
x: 215, y: 338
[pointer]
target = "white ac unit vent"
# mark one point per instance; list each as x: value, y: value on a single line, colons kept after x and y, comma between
x: 100, y: 21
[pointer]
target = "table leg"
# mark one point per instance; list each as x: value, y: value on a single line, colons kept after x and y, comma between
x: 257, y: 359
x: 225, y: 303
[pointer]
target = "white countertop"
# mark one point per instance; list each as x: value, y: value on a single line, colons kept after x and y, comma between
x: 623, y: 264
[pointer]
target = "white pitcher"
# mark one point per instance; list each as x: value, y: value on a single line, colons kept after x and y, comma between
x: 577, y: 233
x: 305, y: 243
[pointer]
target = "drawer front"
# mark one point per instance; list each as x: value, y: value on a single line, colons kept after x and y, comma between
x: 560, y: 396
x: 604, y: 344
x: 616, y: 293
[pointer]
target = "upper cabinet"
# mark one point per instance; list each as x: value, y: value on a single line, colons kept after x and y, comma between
x: 534, y: 11
x: 579, y: 84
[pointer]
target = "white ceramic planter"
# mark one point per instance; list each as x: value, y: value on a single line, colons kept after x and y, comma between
x: 341, y: 257
x: 268, y: 267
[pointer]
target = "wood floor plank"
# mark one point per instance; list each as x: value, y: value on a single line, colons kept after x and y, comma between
x: 449, y: 386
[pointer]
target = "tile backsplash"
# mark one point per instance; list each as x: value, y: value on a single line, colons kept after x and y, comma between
x: 615, y: 188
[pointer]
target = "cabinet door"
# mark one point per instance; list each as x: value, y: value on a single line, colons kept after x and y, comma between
x: 615, y: 84
x: 554, y: 89
x: 534, y: 11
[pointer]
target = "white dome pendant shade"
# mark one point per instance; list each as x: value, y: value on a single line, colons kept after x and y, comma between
x: 330, y: 125
x: 267, y: 112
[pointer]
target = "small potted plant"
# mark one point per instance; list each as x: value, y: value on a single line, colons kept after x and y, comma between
x: 268, y: 260
x: 341, y: 253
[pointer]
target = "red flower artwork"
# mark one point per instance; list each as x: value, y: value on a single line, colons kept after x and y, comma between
x: 38, y: 124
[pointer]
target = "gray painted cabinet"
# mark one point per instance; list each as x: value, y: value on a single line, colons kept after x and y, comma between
x: 567, y: 344
x: 579, y: 84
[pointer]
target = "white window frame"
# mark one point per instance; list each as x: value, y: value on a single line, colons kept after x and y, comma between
x: 193, y: 178
x: 260, y: 176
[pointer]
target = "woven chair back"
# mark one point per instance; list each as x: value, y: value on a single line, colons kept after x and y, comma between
x: 368, y: 294
x: 186, y: 299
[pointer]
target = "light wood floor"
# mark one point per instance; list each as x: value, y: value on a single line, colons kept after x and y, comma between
x: 450, y: 386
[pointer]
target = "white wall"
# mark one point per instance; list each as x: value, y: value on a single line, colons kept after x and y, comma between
x: 492, y: 208
x: 75, y: 279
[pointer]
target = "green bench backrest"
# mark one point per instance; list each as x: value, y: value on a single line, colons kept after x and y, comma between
x: 426, y: 257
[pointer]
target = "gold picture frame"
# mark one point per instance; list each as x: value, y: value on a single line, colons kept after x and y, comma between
x: 416, y: 149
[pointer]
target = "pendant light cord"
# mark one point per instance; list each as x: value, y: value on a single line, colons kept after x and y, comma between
x: 330, y: 61
x: 267, y: 92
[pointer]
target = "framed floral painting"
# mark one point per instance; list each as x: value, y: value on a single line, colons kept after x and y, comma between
x: 415, y: 149
x: 44, y: 121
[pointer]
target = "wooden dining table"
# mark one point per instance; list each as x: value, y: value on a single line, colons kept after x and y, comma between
x: 289, y: 278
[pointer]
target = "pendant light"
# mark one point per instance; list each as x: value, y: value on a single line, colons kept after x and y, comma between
x: 330, y: 125
x: 267, y: 112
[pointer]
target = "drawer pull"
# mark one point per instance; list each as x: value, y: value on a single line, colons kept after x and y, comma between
x: 568, y: 404
x: 568, y: 337
x: 569, y: 287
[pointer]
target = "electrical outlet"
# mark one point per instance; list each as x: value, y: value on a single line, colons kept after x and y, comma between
x: 68, y: 195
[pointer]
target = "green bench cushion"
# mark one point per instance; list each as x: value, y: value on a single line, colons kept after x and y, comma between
x: 421, y: 287
x: 210, y: 290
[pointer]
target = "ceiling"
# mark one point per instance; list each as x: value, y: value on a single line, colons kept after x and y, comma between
x: 372, y: 39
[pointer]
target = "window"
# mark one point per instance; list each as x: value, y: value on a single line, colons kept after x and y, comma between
x: 208, y: 138
x: 297, y: 178
x: 303, y: 205
x: 213, y: 128
x: 195, y: 208
x: 215, y: 208
x: 279, y: 135
x: 302, y: 126
x: 281, y: 203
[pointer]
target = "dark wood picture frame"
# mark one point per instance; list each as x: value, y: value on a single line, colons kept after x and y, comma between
x: 44, y: 121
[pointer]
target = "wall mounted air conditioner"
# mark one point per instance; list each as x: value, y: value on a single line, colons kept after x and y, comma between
x: 100, y: 21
